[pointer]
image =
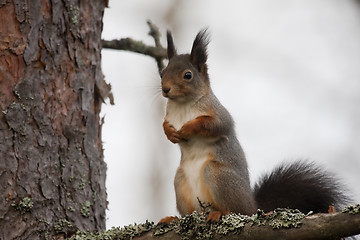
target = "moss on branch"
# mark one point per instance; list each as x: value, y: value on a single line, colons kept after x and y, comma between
x: 280, y: 224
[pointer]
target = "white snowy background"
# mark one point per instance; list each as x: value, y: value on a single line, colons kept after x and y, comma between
x: 287, y: 70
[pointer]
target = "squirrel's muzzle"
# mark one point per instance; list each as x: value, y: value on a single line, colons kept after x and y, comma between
x: 165, y: 91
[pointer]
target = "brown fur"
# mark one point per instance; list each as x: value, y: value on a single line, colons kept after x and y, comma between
x: 204, y: 129
x: 168, y: 220
x: 202, y: 126
x: 183, y: 193
x: 171, y: 133
x: 213, y: 167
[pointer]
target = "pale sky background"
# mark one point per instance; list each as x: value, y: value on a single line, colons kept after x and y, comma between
x: 287, y: 70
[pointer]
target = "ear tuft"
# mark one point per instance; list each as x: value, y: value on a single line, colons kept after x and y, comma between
x: 198, y: 55
x: 171, y: 50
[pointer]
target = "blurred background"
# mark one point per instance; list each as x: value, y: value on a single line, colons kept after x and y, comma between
x: 287, y: 70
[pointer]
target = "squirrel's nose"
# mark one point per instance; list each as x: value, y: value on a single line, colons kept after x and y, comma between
x: 166, y: 90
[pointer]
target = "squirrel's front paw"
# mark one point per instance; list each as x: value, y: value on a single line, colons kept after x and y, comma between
x: 174, y: 137
x: 171, y: 133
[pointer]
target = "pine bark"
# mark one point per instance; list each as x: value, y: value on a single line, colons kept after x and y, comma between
x: 52, y: 171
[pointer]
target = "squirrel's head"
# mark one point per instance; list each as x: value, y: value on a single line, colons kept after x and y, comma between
x: 185, y: 78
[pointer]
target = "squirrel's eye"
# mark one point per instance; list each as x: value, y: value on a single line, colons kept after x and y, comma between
x: 188, y: 75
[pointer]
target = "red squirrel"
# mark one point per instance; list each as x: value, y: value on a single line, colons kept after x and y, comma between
x: 213, y: 166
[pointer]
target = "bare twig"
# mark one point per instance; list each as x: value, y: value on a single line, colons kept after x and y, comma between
x: 129, y: 44
x: 132, y: 45
x: 155, y: 33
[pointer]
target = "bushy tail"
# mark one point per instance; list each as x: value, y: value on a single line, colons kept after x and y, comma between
x: 301, y: 185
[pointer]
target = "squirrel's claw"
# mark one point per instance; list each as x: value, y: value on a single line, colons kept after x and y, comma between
x: 167, y: 220
x: 215, y: 216
x: 172, y: 134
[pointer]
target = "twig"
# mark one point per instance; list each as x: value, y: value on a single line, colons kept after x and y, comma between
x: 129, y: 44
x: 155, y: 33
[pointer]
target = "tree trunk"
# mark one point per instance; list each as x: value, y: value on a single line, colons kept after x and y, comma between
x: 52, y: 172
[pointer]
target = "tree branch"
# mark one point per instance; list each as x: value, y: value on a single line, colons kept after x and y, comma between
x: 281, y: 224
x: 319, y: 226
x: 129, y: 44
x: 155, y: 33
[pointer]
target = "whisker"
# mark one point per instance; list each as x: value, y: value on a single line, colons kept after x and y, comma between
x: 152, y: 93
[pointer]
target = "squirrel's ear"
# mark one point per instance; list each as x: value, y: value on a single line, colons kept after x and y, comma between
x: 171, y: 50
x: 198, y: 54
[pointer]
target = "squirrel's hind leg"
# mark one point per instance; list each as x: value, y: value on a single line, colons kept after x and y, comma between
x: 229, y: 190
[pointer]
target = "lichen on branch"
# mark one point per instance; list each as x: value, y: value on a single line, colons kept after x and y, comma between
x: 278, y: 224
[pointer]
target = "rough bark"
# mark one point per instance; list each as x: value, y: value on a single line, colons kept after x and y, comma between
x: 52, y: 173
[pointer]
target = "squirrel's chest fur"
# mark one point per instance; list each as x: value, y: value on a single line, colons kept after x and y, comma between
x: 195, y: 153
x: 178, y: 114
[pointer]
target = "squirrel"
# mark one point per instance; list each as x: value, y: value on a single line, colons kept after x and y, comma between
x: 213, y: 167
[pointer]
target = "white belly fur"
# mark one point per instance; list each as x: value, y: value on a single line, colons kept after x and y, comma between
x: 194, y: 155
x: 194, y: 152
